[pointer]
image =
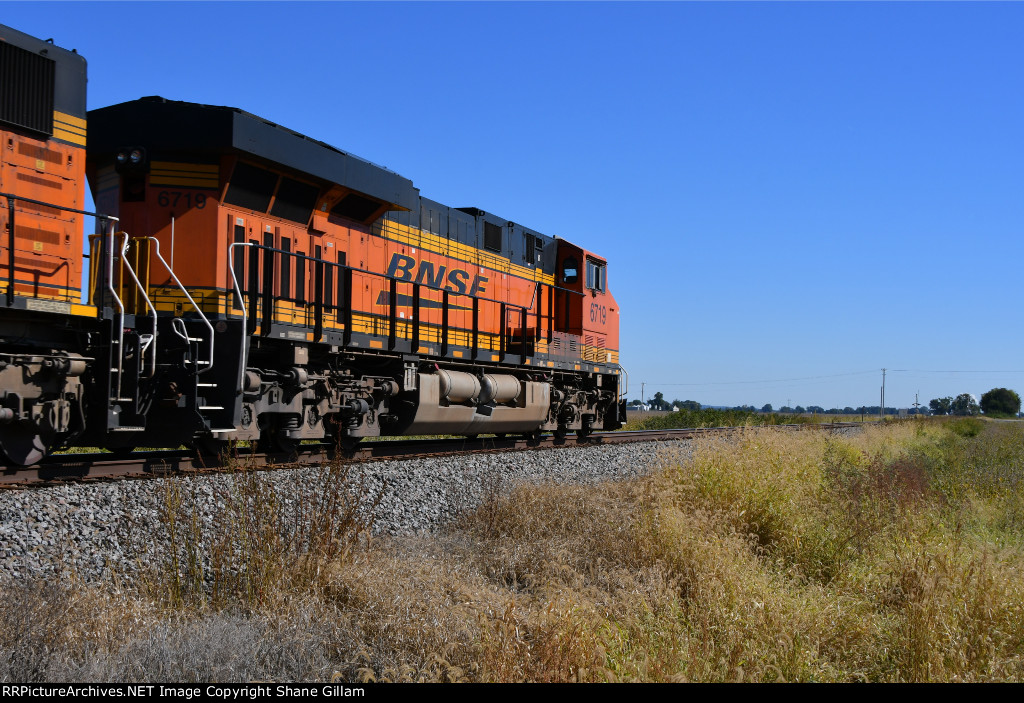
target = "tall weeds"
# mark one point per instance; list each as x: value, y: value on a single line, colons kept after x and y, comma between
x: 258, y: 545
x: 894, y: 554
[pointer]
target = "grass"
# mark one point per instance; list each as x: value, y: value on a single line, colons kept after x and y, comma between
x: 894, y: 554
x: 711, y: 417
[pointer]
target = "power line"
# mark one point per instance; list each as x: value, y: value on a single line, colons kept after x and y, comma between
x: 816, y: 378
x: 777, y: 380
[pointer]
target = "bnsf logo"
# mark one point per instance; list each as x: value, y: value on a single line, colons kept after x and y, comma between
x: 404, y: 269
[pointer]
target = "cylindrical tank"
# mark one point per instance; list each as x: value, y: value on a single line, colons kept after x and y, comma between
x: 499, y: 388
x: 458, y: 387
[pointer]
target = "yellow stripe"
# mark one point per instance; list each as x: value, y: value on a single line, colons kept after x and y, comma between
x: 70, y: 128
x: 175, y: 173
x: 158, y: 180
x: 288, y: 312
x: 84, y: 310
x: 205, y: 169
x: 70, y: 119
x: 436, y: 244
x: 69, y: 137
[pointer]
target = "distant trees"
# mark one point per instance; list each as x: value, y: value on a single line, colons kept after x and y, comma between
x: 686, y: 404
x: 658, y: 402
x: 996, y: 401
x: 964, y: 404
x: 1000, y: 401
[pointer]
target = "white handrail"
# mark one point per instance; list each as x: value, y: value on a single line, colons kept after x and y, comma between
x: 241, y: 303
x: 109, y: 266
x: 206, y: 321
x: 149, y: 304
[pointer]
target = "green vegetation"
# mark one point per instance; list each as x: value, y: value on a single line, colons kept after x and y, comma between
x: 1000, y: 402
x: 709, y: 417
x: 893, y: 554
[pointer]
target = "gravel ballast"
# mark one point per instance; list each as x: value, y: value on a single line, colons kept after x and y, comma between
x: 96, y: 531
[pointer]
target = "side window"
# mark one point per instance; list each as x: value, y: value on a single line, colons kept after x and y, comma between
x: 596, y: 275
x: 570, y: 270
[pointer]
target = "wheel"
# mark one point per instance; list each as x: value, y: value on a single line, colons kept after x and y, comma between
x: 347, y: 445
x: 277, y: 442
x: 22, y: 445
x: 561, y: 432
x: 211, y: 446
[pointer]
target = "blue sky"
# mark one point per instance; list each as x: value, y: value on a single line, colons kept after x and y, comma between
x: 791, y: 196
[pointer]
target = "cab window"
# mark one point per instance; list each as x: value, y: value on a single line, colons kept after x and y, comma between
x: 596, y: 275
x: 569, y: 270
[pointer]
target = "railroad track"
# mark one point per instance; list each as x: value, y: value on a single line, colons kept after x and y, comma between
x: 104, y: 466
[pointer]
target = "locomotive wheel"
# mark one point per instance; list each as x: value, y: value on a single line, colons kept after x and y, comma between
x: 210, y: 446
x: 347, y: 445
x: 22, y: 445
x: 561, y: 432
x: 277, y: 442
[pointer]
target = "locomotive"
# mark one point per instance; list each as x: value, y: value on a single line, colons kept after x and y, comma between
x: 246, y: 283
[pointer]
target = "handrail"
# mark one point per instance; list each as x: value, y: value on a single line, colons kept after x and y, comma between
x: 343, y: 267
x: 625, y: 389
x: 11, y: 200
x: 149, y: 303
x: 108, y: 265
x: 392, y: 293
x: 241, y: 303
x: 174, y: 276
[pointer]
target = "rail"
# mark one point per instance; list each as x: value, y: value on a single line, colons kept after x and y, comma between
x: 261, y: 297
x: 164, y: 463
x: 11, y: 214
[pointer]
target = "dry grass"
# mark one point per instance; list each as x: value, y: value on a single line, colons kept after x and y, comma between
x: 891, y: 555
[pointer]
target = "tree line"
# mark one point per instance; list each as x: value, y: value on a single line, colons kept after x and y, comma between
x: 998, y: 401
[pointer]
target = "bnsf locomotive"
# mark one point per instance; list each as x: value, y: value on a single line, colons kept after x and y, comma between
x: 248, y: 283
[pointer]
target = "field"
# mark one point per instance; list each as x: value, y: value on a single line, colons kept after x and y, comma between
x: 892, y: 554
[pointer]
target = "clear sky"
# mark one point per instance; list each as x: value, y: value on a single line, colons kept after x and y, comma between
x: 791, y: 196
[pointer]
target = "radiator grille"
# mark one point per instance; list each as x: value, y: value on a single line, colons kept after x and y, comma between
x: 26, y: 89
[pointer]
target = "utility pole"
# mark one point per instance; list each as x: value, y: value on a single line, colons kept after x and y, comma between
x: 917, y: 406
x: 881, y: 410
x: 642, y: 384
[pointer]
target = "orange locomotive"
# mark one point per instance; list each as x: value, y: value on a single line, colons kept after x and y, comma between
x: 263, y: 286
x: 43, y: 325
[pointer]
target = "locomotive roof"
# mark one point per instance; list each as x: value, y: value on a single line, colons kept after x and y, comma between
x: 163, y: 126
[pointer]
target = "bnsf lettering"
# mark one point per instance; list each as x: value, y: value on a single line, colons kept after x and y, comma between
x: 404, y: 269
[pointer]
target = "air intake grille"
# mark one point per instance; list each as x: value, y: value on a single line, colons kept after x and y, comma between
x: 26, y: 89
